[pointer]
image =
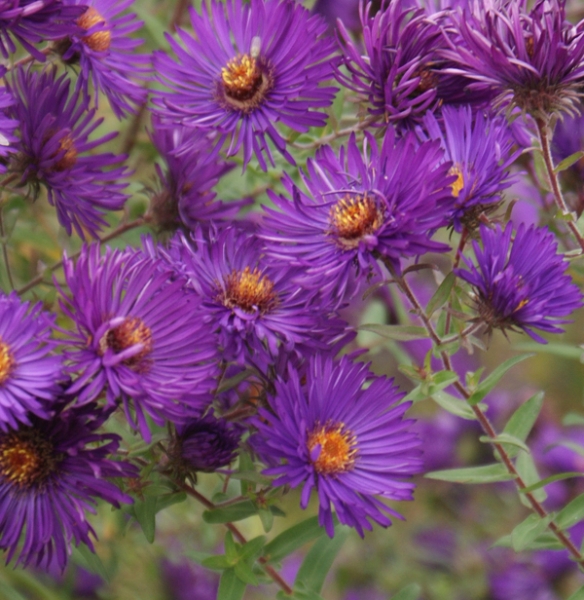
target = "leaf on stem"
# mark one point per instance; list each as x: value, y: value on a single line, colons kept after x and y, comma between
x: 483, y: 474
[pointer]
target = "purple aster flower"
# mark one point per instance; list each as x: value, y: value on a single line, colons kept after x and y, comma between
x: 348, y: 443
x: 204, y: 444
x: 138, y: 335
x: 51, y: 473
x: 521, y: 284
x: 54, y: 135
x: 186, y: 197
x: 106, y: 53
x: 8, y: 126
x: 361, y: 206
x: 533, y: 59
x: 186, y: 580
x: 257, y: 305
x: 248, y: 67
x: 569, y: 139
x: 29, y: 374
x: 480, y: 150
x: 520, y: 582
x: 345, y: 10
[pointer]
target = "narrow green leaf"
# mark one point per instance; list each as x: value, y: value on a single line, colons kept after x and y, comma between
x: 545, y: 541
x: 252, y: 476
x: 246, y: 466
x: 9, y: 593
x: 555, y: 348
x: 573, y: 419
x: 442, y: 294
x: 319, y: 560
x: 526, y: 468
x: 401, y: 333
x: 231, y: 549
x: 231, y: 382
x: 230, y: 586
x: 508, y: 440
x: 571, y: 514
x: 483, y: 474
x: 293, y: 538
x: 234, y: 512
x: 569, y: 161
x: 540, y: 484
x: 252, y: 550
x: 523, y: 419
x: 300, y: 595
x: 245, y: 573
x: 91, y: 561
x: 144, y: 512
x: 267, y: 519
x: 218, y: 562
x: 167, y: 500
x: 410, y: 592
x: 454, y: 405
x: 578, y: 594
x: 493, y: 379
x: 528, y: 530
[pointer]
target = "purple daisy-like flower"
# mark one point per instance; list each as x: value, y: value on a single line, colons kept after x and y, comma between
x: 105, y: 51
x: 139, y: 335
x: 186, y: 197
x: 480, y: 150
x: 29, y: 373
x: 248, y: 67
x: 256, y: 305
x: 8, y: 126
x: 348, y: 443
x: 521, y: 284
x: 54, y: 138
x: 362, y: 205
x: 51, y: 473
x: 533, y: 59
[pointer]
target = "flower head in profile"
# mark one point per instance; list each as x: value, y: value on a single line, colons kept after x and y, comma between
x: 521, y: 284
x: 53, y: 151
x: 29, y: 372
x: 533, y: 59
x: 480, y: 150
x: 106, y: 53
x: 362, y: 204
x: 138, y: 336
x: 51, y: 474
x: 249, y: 66
x: 326, y: 433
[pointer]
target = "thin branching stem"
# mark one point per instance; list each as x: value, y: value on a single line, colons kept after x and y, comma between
x: 5, y: 248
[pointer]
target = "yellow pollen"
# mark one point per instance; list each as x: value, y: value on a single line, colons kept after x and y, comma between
x: 131, y: 332
x: 68, y: 160
x: 523, y: 303
x: 6, y: 361
x: 354, y: 217
x: 244, y: 83
x: 250, y: 291
x: 25, y: 457
x: 100, y: 40
x: 337, y: 449
x: 458, y: 183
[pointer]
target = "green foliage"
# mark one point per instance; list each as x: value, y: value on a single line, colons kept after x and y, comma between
x: 483, y: 474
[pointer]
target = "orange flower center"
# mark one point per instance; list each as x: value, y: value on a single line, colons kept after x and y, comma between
x: 250, y: 291
x: 99, y: 41
x: 131, y: 332
x: 6, y: 361
x: 245, y: 84
x: 69, y: 158
x: 337, y: 449
x: 458, y: 184
x: 354, y: 217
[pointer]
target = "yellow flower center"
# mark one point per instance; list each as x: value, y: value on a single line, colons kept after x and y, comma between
x: 245, y: 84
x: 69, y: 158
x: 458, y: 184
x: 337, y: 449
x: 99, y: 41
x: 6, y: 361
x: 354, y: 217
x: 131, y: 332
x: 250, y: 291
x: 25, y: 457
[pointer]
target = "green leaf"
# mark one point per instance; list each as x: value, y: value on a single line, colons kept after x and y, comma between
x: 167, y: 500
x: 144, y: 511
x: 401, y: 333
x: 290, y: 540
x: 578, y: 594
x: 540, y: 484
x: 300, y: 595
x: 545, y: 541
x: 528, y: 531
x: 230, y: 586
x: 493, y: 379
x: 483, y: 474
x: 454, y: 405
x: 571, y: 514
x: 244, y: 572
x: 442, y: 294
x: 267, y: 518
x: 523, y: 419
x: 557, y: 349
x: 573, y: 419
x: 231, y: 548
x: 508, y: 440
x: 252, y: 476
x: 252, y: 550
x: 569, y: 161
x: 218, y: 562
x: 231, y: 382
x: 410, y: 592
x: 319, y: 560
x: 234, y: 512
x: 526, y: 468
x: 9, y: 593
x: 91, y: 561
x: 246, y: 466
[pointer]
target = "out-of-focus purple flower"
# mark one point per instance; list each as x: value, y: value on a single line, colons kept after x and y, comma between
x: 569, y: 139
x: 51, y: 474
x: 29, y: 374
x: 105, y: 51
x: 362, y: 205
x: 437, y: 546
x: 54, y: 136
x: 520, y: 581
x: 186, y: 197
x: 533, y: 59
x: 8, y: 126
x: 345, y: 10
x: 138, y: 335
x: 348, y: 443
x: 521, y: 285
x: 187, y: 581
x: 480, y: 150
x: 249, y: 67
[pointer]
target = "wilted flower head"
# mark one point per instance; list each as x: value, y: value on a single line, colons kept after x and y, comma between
x: 249, y: 66
x: 521, y: 284
x: 51, y: 473
x: 347, y: 443
x: 55, y: 126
